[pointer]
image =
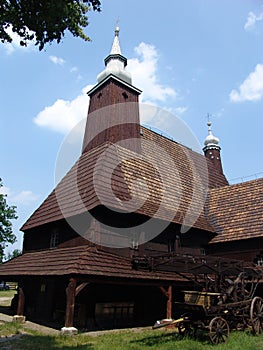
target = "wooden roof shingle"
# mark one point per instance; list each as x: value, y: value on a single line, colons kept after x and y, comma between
x: 236, y: 211
x: 166, y: 194
x: 82, y: 261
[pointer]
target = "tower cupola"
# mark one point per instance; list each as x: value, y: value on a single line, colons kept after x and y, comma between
x: 211, y: 141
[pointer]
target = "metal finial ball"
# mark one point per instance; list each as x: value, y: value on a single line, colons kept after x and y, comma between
x: 117, y: 30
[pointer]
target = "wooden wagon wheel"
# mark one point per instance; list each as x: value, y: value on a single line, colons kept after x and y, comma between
x: 256, y: 315
x: 218, y: 330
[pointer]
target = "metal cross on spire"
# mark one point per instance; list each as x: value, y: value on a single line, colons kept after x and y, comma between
x: 209, y: 123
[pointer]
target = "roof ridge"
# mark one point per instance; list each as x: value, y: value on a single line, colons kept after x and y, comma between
x: 240, y: 184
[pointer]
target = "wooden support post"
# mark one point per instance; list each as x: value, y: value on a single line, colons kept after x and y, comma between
x: 169, y: 302
x: 70, y: 292
x: 20, y: 307
x: 169, y: 295
x: 176, y: 244
x: 21, y: 302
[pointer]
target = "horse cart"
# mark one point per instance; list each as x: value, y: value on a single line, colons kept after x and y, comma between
x: 224, y: 298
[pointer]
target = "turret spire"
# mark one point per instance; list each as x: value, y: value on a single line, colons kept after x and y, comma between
x: 211, y: 140
x: 212, y: 148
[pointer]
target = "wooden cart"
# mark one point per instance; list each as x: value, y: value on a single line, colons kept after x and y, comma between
x: 225, y: 302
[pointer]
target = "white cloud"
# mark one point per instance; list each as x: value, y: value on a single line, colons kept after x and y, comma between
x: 24, y: 198
x: 15, y: 44
x: 252, y: 87
x: 74, y: 69
x: 252, y: 19
x: 180, y: 110
x: 144, y: 74
x: 57, y: 60
x: 63, y: 115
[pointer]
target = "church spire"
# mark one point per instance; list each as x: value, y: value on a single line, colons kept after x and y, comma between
x: 115, y: 63
x: 113, y: 114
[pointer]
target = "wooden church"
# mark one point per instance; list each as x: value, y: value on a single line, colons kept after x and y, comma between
x: 132, y: 192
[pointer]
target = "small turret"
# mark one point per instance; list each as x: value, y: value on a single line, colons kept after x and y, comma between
x: 212, y: 149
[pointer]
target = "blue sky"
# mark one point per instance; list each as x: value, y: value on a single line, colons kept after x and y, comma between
x: 190, y: 57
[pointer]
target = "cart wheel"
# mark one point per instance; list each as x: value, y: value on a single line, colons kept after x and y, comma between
x: 218, y: 330
x: 256, y: 315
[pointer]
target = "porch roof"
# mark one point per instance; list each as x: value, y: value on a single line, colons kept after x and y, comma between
x: 82, y: 261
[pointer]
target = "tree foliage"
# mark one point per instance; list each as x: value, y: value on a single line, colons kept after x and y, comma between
x: 15, y: 253
x: 7, y: 213
x: 44, y: 20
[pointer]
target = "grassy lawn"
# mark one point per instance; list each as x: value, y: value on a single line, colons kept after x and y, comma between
x: 145, y: 340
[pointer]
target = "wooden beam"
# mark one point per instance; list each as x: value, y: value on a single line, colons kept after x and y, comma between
x: 80, y: 287
x: 70, y: 292
x: 164, y: 291
x: 21, y: 302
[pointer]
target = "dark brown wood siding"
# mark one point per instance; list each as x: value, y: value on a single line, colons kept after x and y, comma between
x: 113, y: 116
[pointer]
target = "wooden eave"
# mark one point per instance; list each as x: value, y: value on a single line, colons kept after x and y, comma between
x: 83, y: 261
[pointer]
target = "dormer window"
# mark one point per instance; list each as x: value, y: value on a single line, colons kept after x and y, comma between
x: 54, y: 238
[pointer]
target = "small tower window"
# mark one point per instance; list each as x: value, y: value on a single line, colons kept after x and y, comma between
x: 125, y: 95
x: 54, y: 238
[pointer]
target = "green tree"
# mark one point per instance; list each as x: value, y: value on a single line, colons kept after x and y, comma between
x: 15, y: 253
x: 45, y: 20
x: 7, y: 213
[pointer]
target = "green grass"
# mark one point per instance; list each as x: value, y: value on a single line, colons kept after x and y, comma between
x: 7, y: 293
x: 128, y: 340
x: 9, y: 328
x: 6, y: 297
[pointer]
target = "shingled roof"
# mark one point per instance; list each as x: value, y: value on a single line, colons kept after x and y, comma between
x: 236, y: 211
x: 84, y: 261
x: 166, y: 193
